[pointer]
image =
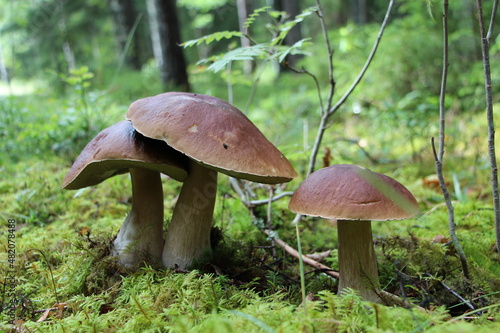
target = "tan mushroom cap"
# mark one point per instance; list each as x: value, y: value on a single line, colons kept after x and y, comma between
x: 118, y: 148
x: 213, y: 133
x: 351, y: 192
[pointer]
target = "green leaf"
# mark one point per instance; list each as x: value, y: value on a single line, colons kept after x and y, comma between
x: 288, y: 25
x: 251, y: 18
x: 296, y: 48
x: 217, y: 36
x: 241, y: 53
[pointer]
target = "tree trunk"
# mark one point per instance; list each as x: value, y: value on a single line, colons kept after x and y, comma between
x: 165, y: 36
x: 4, y: 76
x: 68, y: 54
x: 359, y: 11
x: 292, y: 8
x: 125, y: 15
x: 243, y: 9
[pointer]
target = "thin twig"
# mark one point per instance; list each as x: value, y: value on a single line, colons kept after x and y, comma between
x: 387, y: 296
x: 341, y: 101
x: 326, y: 114
x: 49, y: 309
x: 485, y: 49
x: 454, y: 293
x: 329, y: 50
x: 438, y: 156
x: 430, y: 211
x: 294, y: 253
x: 311, y: 75
x: 255, y: 203
x: 304, y: 259
x: 492, y: 20
x: 269, y: 218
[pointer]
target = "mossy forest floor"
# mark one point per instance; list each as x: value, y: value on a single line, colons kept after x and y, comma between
x: 62, y: 241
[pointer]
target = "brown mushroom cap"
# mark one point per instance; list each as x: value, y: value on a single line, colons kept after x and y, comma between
x: 213, y: 133
x: 351, y: 192
x: 118, y: 148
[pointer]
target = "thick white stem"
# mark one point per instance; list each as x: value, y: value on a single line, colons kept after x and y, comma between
x: 141, y: 236
x: 357, y: 260
x: 188, y: 236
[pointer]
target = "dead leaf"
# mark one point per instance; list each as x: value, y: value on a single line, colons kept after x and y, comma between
x: 327, y: 158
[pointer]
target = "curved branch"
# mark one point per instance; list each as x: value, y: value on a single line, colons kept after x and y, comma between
x: 485, y: 49
x: 341, y: 101
x: 331, y: 110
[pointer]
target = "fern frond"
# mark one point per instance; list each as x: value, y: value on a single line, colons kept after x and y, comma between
x: 216, y: 36
x: 241, y: 53
x: 251, y: 18
x: 296, y: 48
x: 288, y: 25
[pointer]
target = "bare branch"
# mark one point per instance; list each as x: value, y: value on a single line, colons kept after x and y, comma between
x: 254, y: 203
x: 326, y: 114
x: 485, y: 48
x: 492, y: 20
x: 438, y: 156
x: 386, y: 296
x: 367, y: 63
x: 329, y: 51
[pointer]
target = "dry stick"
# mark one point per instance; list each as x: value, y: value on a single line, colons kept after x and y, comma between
x: 254, y: 203
x: 313, y: 263
x: 387, y: 296
x: 269, y: 218
x: 457, y: 295
x: 485, y: 48
x: 330, y: 110
x: 438, y: 156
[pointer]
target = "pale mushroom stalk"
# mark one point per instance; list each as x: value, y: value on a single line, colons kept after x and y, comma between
x: 188, y: 234
x: 119, y: 149
x: 141, y: 235
x: 357, y: 260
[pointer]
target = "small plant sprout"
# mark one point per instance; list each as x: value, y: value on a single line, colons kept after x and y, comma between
x: 354, y: 196
x: 217, y: 137
x: 120, y: 149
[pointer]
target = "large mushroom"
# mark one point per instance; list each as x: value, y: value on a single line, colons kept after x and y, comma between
x: 354, y: 196
x: 217, y: 137
x: 120, y: 149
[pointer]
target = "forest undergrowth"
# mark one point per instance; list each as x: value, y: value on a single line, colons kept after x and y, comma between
x: 65, y: 277
x: 57, y: 274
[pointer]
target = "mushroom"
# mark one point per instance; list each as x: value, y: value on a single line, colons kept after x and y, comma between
x: 354, y: 196
x: 120, y: 149
x: 217, y: 137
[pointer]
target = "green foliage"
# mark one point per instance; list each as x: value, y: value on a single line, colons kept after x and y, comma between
x: 217, y: 36
x: 284, y: 28
x: 241, y: 53
x: 202, y: 5
x: 78, y: 78
x: 251, y: 18
x: 272, y: 50
x: 246, y: 285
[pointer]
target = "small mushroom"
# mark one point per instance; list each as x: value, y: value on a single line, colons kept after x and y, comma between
x: 354, y: 196
x: 120, y: 149
x: 217, y: 137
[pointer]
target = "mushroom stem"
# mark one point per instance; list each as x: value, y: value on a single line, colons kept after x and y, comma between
x: 141, y: 235
x: 357, y: 260
x: 188, y: 235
